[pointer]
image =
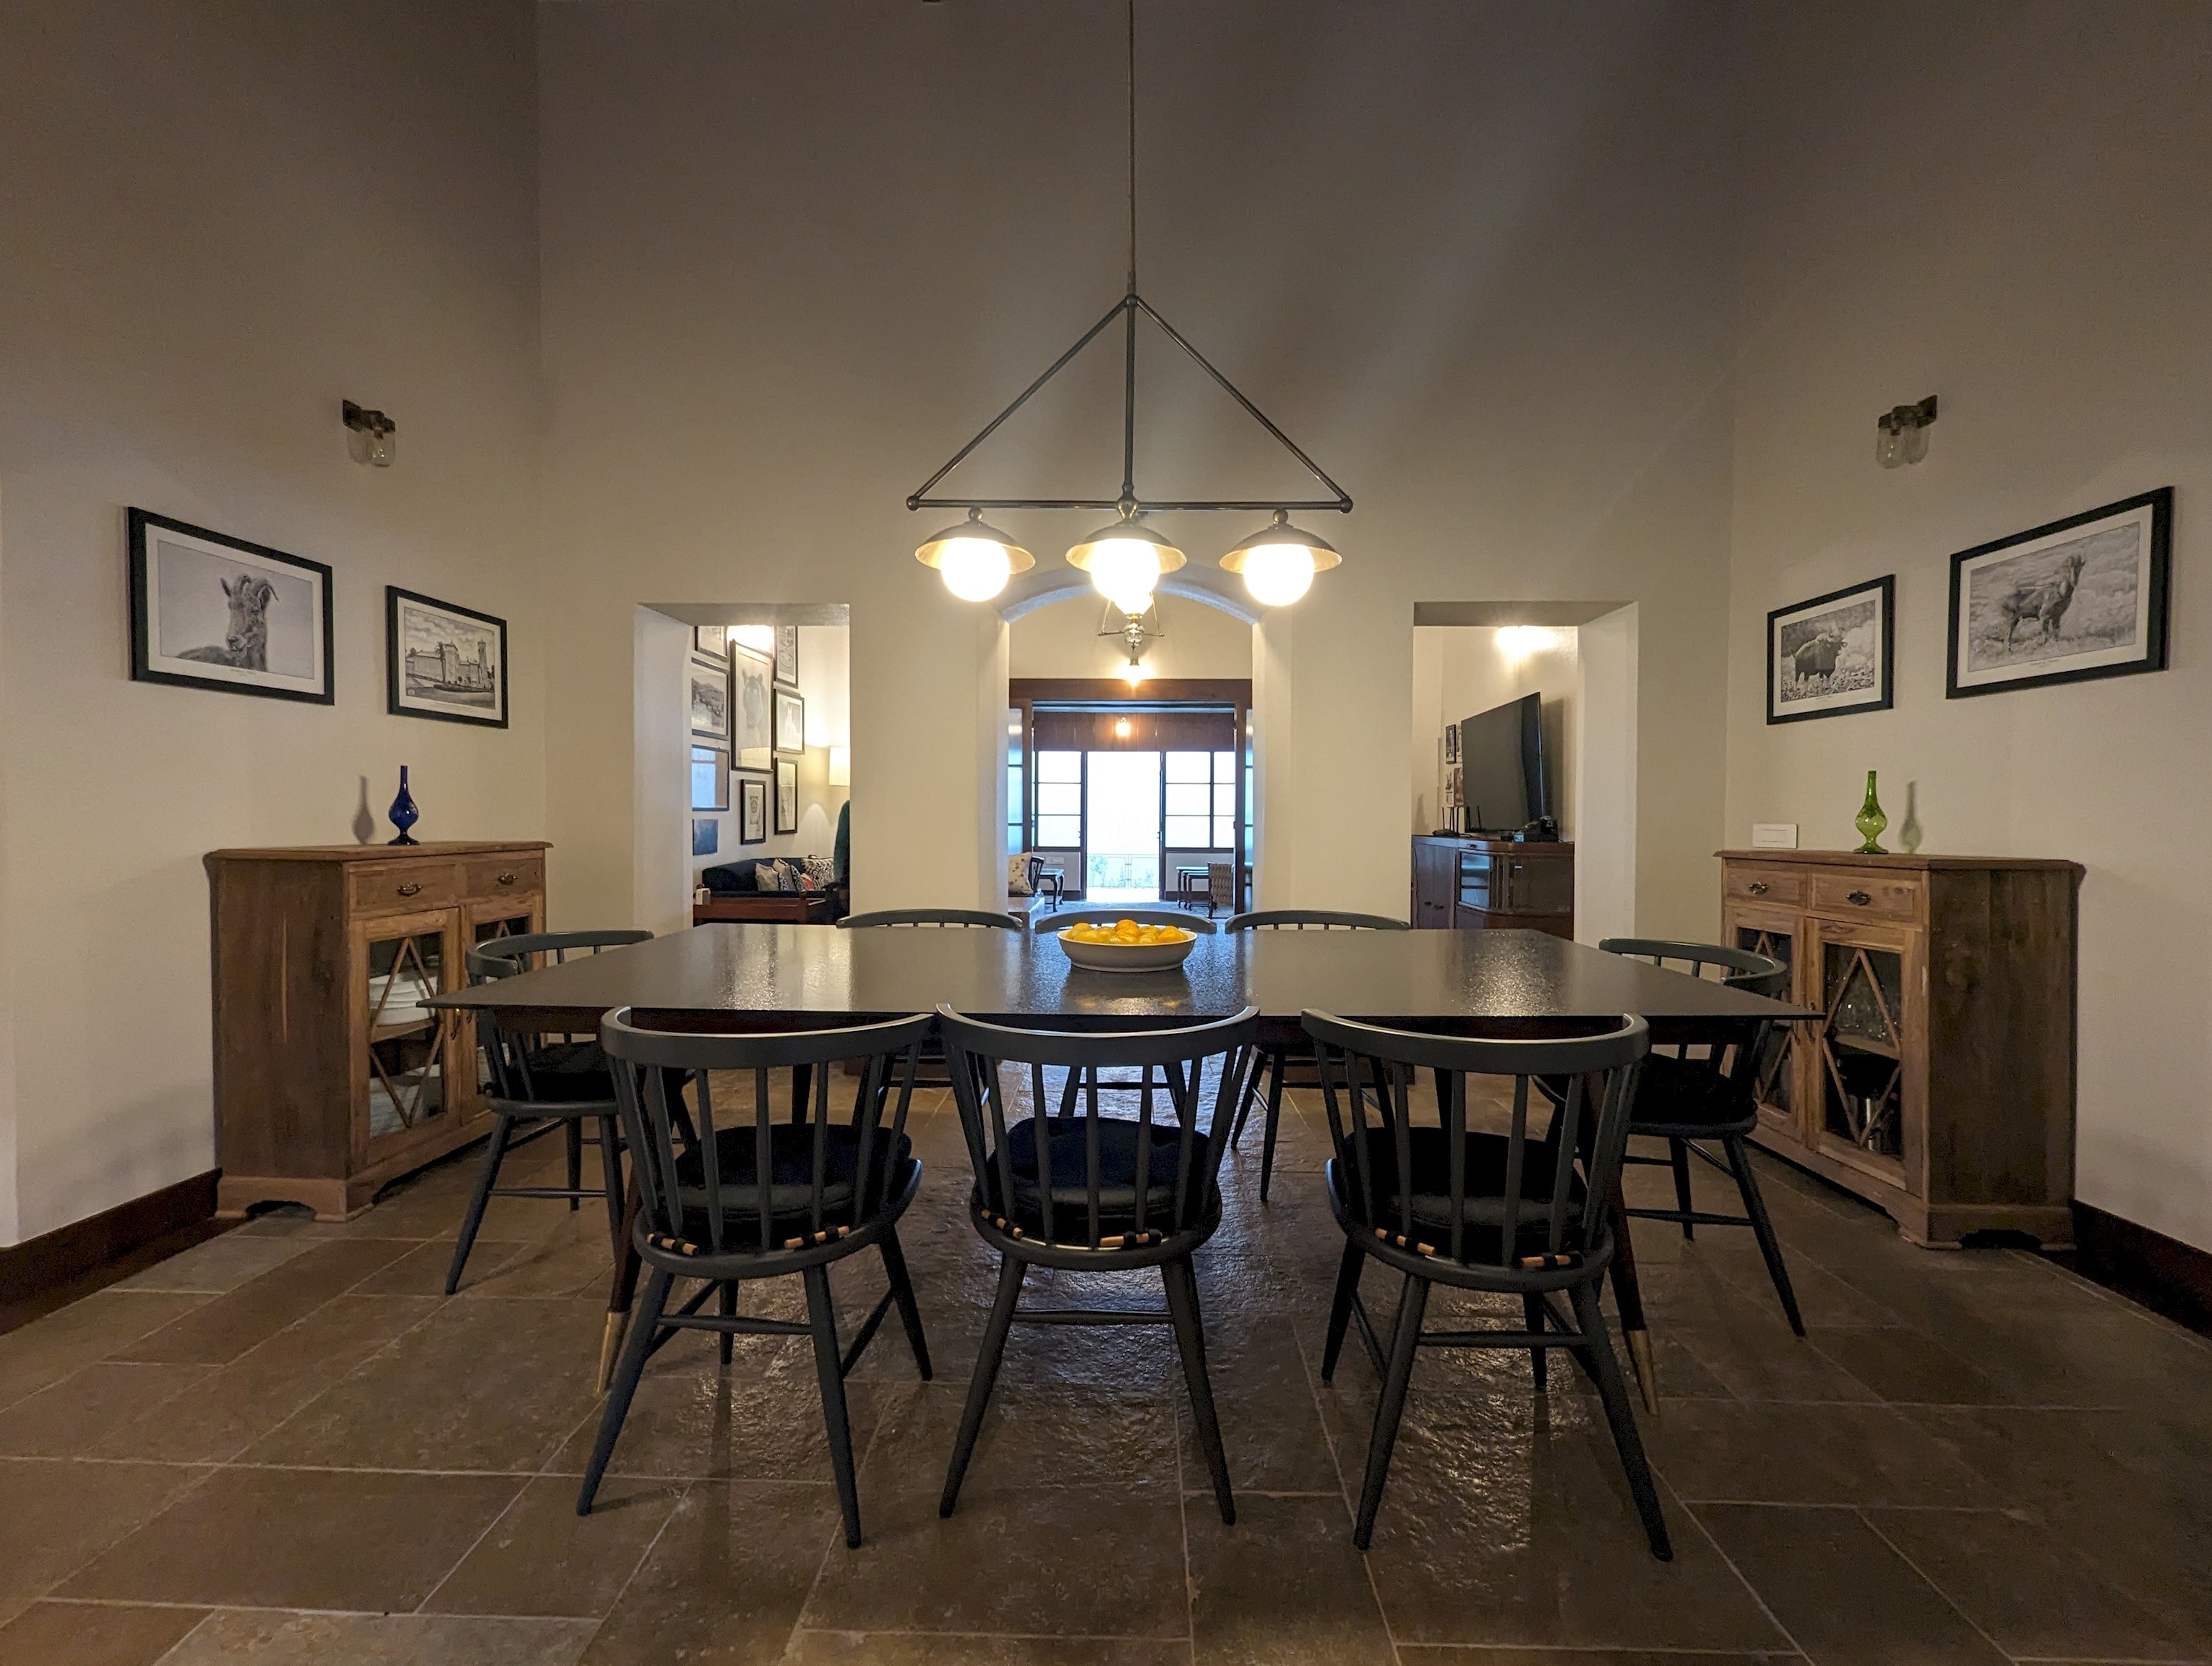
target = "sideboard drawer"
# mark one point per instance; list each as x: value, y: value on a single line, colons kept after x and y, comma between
x: 505, y: 876
x: 1778, y: 887
x: 400, y: 887
x: 1848, y: 893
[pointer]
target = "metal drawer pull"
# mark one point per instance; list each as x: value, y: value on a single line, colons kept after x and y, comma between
x: 1860, y: 898
x: 1758, y: 887
x: 507, y: 879
x: 409, y: 888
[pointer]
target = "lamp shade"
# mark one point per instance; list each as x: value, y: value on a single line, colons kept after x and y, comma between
x: 974, y: 558
x: 1280, y: 560
x: 1124, y: 560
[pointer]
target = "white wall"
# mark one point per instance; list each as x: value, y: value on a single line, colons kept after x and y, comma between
x: 2029, y: 243
x: 793, y: 258
x: 221, y: 220
x: 1062, y: 639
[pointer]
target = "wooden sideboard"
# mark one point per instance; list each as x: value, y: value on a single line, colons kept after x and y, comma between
x: 1477, y: 885
x: 1939, y: 1083
x: 331, y: 1077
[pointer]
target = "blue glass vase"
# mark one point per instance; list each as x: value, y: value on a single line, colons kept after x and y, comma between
x: 403, y: 812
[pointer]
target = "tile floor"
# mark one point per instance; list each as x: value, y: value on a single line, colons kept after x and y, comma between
x: 285, y: 1445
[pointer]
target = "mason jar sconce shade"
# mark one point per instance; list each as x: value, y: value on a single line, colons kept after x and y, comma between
x: 974, y: 558
x: 1278, y: 561
x: 1901, y: 434
x: 370, y: 435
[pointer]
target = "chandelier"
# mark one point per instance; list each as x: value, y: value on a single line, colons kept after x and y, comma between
x: 1127, y: 557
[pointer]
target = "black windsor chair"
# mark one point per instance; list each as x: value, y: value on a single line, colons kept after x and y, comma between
x: 1283, y: 1057
x: 1081, y: 1191
x: 933, y: 1055
x: 1086, y: 914
x: 1683, y: 1101
x: 552, y: 1084
x: 1506, y: 1213
x: 746, y: 1197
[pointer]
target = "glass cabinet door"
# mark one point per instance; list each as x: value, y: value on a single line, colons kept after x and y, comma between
x: 406, y: 1086
x: 1779, y: 1072
x: 1862, y: 1047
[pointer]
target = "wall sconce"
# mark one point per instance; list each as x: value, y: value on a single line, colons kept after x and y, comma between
x: 1120, y: 728
x: 1901, y: 434
x: 370, y: 435
x: 840, y: 766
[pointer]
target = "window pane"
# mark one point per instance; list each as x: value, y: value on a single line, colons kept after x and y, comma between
x: 1224, y: 766
x: 1186, y: 766
x: 1187, y: 832
x: 1013, y: 838
x: 1060, y: 832
x: 1224, y: 832
x: 1060, y: 766
x: 1186, y: 799
x: 1224, y: 800
x: 1059, y: 798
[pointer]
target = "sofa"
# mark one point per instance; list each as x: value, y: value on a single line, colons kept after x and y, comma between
x: 733, y: 895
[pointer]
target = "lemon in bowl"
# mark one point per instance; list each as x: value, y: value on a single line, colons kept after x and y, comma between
x: 1126, y: 945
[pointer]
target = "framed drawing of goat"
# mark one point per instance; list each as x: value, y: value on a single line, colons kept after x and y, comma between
x: 2083, y: 597
x: 212, y: 611
x: 1833, y: 655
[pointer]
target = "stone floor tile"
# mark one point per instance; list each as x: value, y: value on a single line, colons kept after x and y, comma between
x: 1063, y: 1436
x: 542, y: 1557
x: 93, y: 1634
x: 56, y: 1514
x: 1906, y: 1366
x: 219, y: 1265
x: 48, y: 1349
x: 810, y: 1648
x: 300, y: 1538
x: 1283, y: 1587
x: 70, y: 1419
x: 385, y: 1640
x: 1453, y: 1655
x: 1781, y: 1454
x: 1801, y: 1561
x: 1759, y: 1362
x: 422, y: 1270
x: 226, y: 1326
x: 1083, y: 1561
x: 1271, y: 1428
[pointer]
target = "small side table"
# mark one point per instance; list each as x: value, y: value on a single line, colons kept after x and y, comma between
x: 1052, y: 883
x: 1192, y: 884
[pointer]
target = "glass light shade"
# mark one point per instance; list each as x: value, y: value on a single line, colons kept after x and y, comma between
x: 1133, y: 674
x: 974, y: 558
x: 840, y: 766
x: 1278, y: 561
x: 1125, y: 561
x: 371, y: 436
x: 1889, y: 445
x: 759, y: 638
x: 1913, y: 441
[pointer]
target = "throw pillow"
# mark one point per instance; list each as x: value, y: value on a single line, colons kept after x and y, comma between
x: 768, y: 876
x: 822, y: 870
x: 1017, y: 876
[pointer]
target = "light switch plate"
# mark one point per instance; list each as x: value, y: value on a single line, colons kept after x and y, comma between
x: 1774, y: 835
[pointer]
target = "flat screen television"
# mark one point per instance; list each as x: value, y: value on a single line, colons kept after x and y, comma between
x: 1501, y: 766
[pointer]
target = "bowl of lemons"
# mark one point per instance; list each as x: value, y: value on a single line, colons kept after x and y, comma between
x: 1124, y: 945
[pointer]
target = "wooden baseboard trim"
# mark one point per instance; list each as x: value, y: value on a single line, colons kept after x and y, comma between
x: 2165, y: 1274
x: 41, y: 1273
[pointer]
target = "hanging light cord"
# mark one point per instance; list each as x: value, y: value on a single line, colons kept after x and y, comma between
x: 1132, y: 147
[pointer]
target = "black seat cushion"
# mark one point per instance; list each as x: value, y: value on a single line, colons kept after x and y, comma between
x: 1430, y: 1202
x: 790, y: 1181
x: 1070, y: 1179
x: 1690, y: 1097
x: 570, y: 1073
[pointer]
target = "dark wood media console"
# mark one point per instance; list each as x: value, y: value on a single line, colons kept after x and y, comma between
x: 1477, y: 884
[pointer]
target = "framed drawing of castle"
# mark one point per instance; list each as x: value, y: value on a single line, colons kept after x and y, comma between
x: 443, y: 661
x: 210, y: 612
x: 2083, y: 597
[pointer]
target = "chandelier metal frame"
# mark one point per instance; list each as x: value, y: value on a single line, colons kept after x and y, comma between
x: 1131, y: 305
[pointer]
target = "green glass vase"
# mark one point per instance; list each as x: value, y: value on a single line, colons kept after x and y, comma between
x: 1870, y: 821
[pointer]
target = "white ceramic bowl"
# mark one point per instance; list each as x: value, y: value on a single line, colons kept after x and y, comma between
x: 1127, y: 956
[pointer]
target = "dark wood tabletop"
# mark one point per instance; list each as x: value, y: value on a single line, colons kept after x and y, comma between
x: 741, y: 975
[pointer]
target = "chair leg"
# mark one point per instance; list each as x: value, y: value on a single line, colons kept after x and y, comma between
x: 610, y: 1170
x: 1677, y: 1152
x: 573, y: 1135
x: 1533, y: 1315
x: 1277, y: 1066
x: 829, y: 1372
x: 1190, y: 1339
x: 726, y: 1301
x: 628, y: 1370
x: 487, y: 1176
x: 1340, y: 1309
x: 1244, y: 1105
x: 1405, y: 1341
x: 902, y: 1293
x: 986, y: 1374
x: 1746, y: 1182
x: 1620, y: 1416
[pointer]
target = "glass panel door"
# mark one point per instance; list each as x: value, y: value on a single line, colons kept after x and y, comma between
x: 1777, y: 1084
x: 1122, y: 813
x: 1861, y: 1042
x: 406, y: 1063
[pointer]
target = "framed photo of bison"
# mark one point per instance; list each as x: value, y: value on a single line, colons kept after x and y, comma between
x: 1833, y: 655
x: 442, y: 660
x: 211, y: 612
x: 2083, y: 597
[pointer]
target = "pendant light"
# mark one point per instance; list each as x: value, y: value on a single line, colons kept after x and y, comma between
x: 1278, y: 561
x: 974, y: 558
x: 1127, y: 559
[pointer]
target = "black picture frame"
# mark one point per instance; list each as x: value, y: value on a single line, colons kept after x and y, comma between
x: 789, y: 701
x: 752, y: 809
x: 786, y: 655
x: 710, y: 778
x: 398, y: 694
x: 711, y: 640
x: 787, y: 775
x: 2137, y: 533
x: 706, y: 697
x: 1834, y: 618
x: 148, y: 663
x: 706, y: 836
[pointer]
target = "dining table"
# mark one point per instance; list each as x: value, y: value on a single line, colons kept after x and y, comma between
x: 750, y: 977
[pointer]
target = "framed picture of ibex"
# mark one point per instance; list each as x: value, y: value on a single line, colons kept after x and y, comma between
x: 212, y: 611
x: 2083, y: 597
